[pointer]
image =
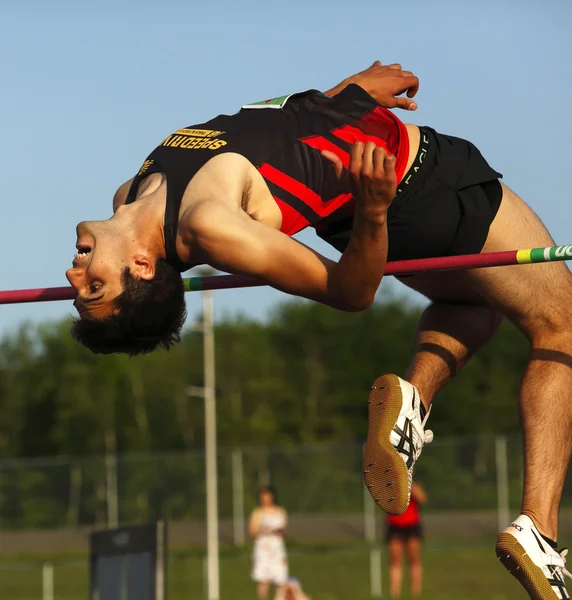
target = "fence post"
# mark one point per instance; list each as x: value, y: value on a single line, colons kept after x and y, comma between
x: 237, y: 497
x: 47, y: 581
x: 111, y: 491
x: 375, y: 579
x: 502, y: 482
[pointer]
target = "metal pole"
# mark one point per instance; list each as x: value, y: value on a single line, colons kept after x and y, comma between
x: 210, y: 447
x: 237, y: 498
x: 369, y: 517
x: 369, y: 514
x: 375, y: 583
x: 47, y: 581
x: 502, y: 482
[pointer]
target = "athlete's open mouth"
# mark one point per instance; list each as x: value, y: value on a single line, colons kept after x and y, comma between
x: 82, y: 252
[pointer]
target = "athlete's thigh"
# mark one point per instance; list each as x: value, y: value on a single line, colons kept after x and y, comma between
x: 526, y: 294
x: 529, y: 295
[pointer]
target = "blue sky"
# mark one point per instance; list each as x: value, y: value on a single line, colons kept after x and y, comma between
x: 88, y: 92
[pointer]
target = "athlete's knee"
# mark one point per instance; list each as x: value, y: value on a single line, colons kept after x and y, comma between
x: 551, y: 325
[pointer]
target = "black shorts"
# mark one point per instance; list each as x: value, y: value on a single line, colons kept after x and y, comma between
x: 444, y: 205
x: 404, y: 533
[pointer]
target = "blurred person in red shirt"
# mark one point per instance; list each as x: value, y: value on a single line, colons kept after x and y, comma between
x: 404, y: 535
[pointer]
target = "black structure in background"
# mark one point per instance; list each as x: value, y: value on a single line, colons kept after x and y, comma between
x: 129, y: 563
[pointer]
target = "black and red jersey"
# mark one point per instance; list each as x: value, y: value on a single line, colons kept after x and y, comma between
x: 282, y: 138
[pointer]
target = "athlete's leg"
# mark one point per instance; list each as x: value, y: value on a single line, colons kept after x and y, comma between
x: 448, y: 335
x: 415, y: 566
x: 536, y: 298
x: 395, y: 546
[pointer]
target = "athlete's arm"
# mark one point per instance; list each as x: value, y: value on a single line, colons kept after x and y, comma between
x: 384, y: 83
x: 231, y: 241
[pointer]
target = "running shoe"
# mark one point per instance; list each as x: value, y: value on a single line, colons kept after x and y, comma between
x: 538, y: 567
x: 396, y: 435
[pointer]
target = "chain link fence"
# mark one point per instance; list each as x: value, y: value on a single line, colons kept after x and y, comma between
x: 460, y: 474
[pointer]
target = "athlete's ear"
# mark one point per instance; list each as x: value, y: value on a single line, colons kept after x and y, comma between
x: 144, y: 267
x: 335, y: 160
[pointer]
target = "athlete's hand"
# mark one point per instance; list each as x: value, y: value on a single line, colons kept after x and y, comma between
x: 371, y: 172
x: 384, y: 83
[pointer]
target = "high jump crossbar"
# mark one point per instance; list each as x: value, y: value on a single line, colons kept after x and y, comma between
x: 396, y: 268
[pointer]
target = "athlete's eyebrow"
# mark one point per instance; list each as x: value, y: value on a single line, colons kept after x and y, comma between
x: 89, y: 300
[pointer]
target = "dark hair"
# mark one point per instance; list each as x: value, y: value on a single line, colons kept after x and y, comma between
x: 147, y: 314
x: 269, y: 490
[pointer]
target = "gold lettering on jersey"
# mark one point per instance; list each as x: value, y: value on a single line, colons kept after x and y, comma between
x: 195, y: 139
x: 198, y: 132
x: 145, y: 166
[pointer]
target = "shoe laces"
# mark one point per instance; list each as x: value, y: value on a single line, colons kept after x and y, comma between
x: 424, y: 434
x: 559, y: 561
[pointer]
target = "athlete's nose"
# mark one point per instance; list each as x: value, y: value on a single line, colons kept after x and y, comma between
x: 74, y: 276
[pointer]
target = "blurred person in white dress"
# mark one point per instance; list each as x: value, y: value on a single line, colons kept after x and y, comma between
x: 267, y: 526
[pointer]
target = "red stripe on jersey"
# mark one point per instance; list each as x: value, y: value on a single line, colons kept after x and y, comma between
x: 353, y: 134
x: 303, y: 192
x: 290, y: 184
x: 336, y: 202
x: 319, y: 143
x: 292, y: 220
x: 394, y: 132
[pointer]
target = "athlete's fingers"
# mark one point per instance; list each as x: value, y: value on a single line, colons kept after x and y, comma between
x: 394, y: 67
x: 405, y: 103
x: 389, y: 167
x: 356, y: 159
x: 379, y: 155
x: 336, y: 162
x: 377, y: 63
x: 367, y: 161
x: 412, y: 84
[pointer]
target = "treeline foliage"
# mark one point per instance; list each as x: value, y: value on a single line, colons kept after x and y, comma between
x: 301, y: 376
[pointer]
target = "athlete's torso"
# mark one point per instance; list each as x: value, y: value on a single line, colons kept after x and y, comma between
x: 283, y: 140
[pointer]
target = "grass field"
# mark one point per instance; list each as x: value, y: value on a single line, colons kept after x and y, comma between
x: 333, y: 573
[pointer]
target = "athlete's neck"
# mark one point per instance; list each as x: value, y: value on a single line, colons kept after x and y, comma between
x: 142, y: 221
